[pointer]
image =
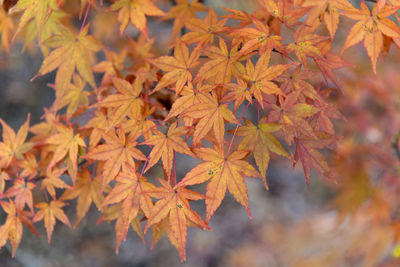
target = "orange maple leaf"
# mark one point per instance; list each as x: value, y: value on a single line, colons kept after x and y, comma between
x: 260, y: 141
x: 204, y: 30
x: 370, y: 27
x: 224, y: 172
x: 306, y: 151
x: 6, y: 26
x: 238, y: 92
x: 52, y: 181
x: 129, y: 191
x: 222, y: 64
x: 14, y: 145
x: 3, y: 178
x: 75, y: 96
x: 87, y: 190
x: 260, y: 78
x: 66, y: 142
x: 284, y: 10
x: 292, y: 116
x: 328, y: 10
x: 257, y: 38
x: 125, y: 103
x: 71, y: 51
x: 12, y: 228
x: 22, y: 191
x: 177, y: 67
x: 183, y: 12
x: 118, y: 150
x: 49, y: 213
x: 174, y: 204
x: 190, y: 96
x: 135, y: 11
x: 39, y: 10
x: 165, y: 146
x: 212, y: 115
x: 305, y: 45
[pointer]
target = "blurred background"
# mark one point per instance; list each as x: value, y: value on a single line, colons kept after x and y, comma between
x: 351, y: 221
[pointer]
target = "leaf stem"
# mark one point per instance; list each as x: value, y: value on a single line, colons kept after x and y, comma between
x: 86, y: 15
x: 237, y: 126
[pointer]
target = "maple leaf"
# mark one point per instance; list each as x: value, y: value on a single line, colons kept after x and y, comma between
x: 99, y: 123
x: 129, y: 190
x: 260, y: 78
x: 12, y: 228
x: 260, y: 140
x: 44, y: 129
x: 293, y: 118
x: 177, y: 67
x: 67, y: 143
x: 238, y: 92
x: 52, y: 181
x: 329, y: 62
x: 3, y: 178
x: 112, y: 66
x: 183, y: 12
x: 49, y: 213
x: 306, y: 151
x: 328, y: 10
x: 29, y: 166
x: 135, y: 11
x: 118, y: 150
x: 296, y: 81
x: 22, y: 191
x: 174, y: 204
x: 126, y: 103
x: 6, y: 26
x: 305, y: 45
x: 370, y: 27
x: 221, y: 65
x: 165, y: 146
x: 52, y: 26
x: 204, y: 30
x: 212, y: 115
x: 14, y: 145
x: 71, y: 51
x: 142, y: 124
x: 257, y: 38
x: 244, y: 17
x: 39, y: 10
x: 190, y: 96
x: 75, y: 96
x: 141, y: 50
x: 87, y: 190
x: 224, y: 172
x: 121, y: 227
x: 283, y: 11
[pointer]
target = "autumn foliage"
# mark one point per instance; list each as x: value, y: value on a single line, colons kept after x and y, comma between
x: 231, y: 91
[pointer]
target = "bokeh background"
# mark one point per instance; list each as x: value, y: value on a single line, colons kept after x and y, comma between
x: 347, y: 222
